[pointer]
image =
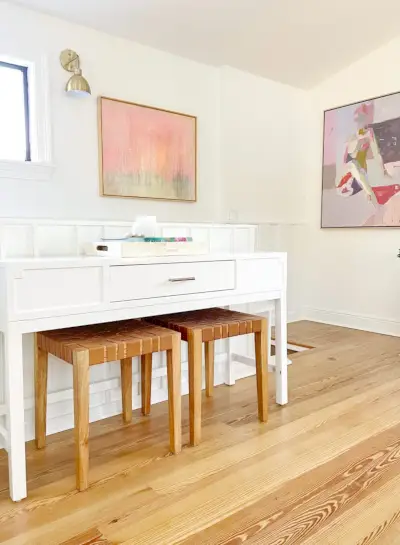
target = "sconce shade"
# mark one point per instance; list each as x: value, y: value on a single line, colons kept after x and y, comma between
x: 78, y: 84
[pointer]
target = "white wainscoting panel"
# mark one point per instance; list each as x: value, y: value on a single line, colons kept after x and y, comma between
x: 40, y: 238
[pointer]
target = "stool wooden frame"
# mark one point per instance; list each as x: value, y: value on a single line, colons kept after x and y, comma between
x: 92, y: 345
x: 206, y: 326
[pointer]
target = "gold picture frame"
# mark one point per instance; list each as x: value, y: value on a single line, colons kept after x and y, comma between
x: 146, y: 152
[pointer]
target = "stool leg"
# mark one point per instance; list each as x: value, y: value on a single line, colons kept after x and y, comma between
x: 174, y: 395
x: 81, y: 417
x: 261, y: 346
x: 126, y: 387
x: 195, y: 365
x: 145, y: 378
x: 209, y: 357
x: 41, y: 366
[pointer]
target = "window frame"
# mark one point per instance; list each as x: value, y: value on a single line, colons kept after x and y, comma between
x: 41, y: 167
x: 25, y: 82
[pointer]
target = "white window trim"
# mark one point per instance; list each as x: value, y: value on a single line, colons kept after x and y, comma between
x: 41, y: 167
x: 26, y: 170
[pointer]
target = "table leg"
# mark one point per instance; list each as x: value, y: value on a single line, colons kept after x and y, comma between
x: 281, y: 378
x: 269, y: 332
x: 14, y: 383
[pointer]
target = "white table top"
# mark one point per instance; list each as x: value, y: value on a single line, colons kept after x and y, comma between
x: 44, y: 262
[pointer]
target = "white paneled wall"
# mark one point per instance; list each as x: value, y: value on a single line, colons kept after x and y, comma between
x: 40, y: 238
x: 44, y: 238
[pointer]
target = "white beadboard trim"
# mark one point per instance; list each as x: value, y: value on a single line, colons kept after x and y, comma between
x: 105, y: 385
x: 99, y: 221
x: 283, y: 222
x: 38, y: 237
x: 117, y: 223
x: 111, y: 407
x: 373, y: 324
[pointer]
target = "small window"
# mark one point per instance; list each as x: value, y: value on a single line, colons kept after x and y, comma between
x: 14, y: 113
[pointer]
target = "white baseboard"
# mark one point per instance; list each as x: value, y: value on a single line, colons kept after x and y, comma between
x: 292, y: 315
x: 354, y: 321
x: 295, y: 315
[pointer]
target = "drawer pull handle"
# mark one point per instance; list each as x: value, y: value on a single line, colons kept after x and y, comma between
x: 184, y: 279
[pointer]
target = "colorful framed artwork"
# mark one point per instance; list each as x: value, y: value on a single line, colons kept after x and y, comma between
x: 361, y: 164
x: 146, y: 152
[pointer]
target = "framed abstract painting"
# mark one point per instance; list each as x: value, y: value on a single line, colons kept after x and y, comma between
x: 361, y: 164
x: 146, y: 152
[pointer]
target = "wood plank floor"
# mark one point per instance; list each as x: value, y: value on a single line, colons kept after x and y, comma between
x: 325, y: 469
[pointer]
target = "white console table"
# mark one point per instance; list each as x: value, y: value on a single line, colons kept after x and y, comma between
x: 39, y: 294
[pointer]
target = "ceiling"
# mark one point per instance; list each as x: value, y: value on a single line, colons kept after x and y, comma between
x: 299, y: 42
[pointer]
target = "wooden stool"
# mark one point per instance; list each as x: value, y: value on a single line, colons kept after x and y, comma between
x: 91, y: 345
x: 206, y: 326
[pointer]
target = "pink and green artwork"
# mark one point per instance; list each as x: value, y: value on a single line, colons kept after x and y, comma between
x: 146, y: 152
x: 361, y: 164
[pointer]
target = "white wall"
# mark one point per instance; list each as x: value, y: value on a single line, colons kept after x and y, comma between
x: 260, y: 139
x: 249, y: 135
x: 115, y: 68
x: 353, y: 274
x: 253, y: 119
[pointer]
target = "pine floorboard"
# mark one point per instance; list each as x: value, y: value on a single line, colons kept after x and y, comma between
x: 324, y: 470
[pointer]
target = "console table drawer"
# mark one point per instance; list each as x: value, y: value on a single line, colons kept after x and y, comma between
x: 38, y: 291
x: 265, y: 275
x: 129, y: 282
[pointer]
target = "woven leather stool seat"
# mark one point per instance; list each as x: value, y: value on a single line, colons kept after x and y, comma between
x: 106, y: 342
x: 214, y: 323
x: 92, y: 345
x: 206, y: 326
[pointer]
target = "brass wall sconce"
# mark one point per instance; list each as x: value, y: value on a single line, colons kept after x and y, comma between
x: 76, y: 84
